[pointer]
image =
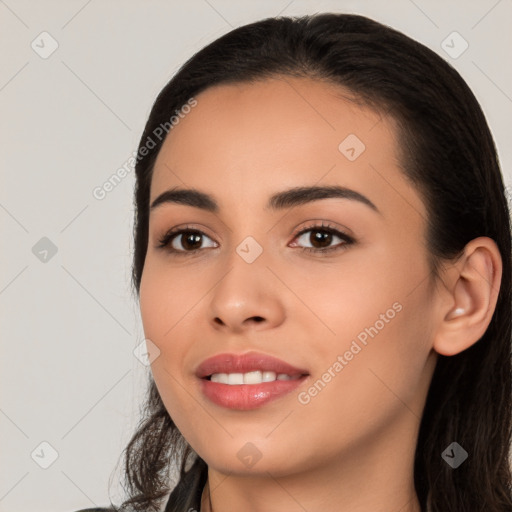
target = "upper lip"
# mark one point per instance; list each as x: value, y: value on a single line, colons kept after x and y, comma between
x: 243, y: 363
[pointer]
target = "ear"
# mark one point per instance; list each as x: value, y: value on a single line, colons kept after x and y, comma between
x: 469, y: 300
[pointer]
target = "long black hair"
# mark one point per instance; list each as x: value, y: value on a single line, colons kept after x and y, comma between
x: 448, y: 153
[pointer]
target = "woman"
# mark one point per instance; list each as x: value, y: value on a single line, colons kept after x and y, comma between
x: 322, y: 259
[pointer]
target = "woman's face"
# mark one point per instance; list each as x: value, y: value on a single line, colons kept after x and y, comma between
x: 355, y: 319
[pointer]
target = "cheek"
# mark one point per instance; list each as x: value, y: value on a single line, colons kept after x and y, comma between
x: 380, y: 381
x: 349, y: 296
x: 369, y: 291
x: 166, y: 299
x: 377, y: 319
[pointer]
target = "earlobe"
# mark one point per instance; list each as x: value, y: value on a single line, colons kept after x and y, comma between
x: 472, y: 287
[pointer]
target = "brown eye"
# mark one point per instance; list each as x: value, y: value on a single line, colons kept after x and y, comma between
x: 183, y: 241
x: 190, y: 241
x: 321, y: 237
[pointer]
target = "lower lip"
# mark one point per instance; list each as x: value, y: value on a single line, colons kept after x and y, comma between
x: 244, y: 397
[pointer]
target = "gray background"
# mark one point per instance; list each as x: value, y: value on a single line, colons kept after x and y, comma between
x: 68, y: 373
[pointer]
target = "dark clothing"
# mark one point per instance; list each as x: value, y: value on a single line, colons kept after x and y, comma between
x: 95, y: 510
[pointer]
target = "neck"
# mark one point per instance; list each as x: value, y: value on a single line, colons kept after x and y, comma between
x: 377, y: 478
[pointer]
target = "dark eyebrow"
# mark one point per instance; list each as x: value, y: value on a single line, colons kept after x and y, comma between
x: 279, y: 201
x: 187, y: 196
x: 302, y: 195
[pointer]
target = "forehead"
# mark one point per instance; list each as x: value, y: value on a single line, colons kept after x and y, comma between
x: 245, y: 141
x: 280, y: 115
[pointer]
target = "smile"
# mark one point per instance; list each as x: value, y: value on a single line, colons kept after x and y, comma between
x: 255, y: 377
x: 247, y: 381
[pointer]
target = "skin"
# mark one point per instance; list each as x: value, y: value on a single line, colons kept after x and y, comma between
x: 352, y: 446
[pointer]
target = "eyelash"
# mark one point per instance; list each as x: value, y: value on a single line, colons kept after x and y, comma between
x: 167, y: 238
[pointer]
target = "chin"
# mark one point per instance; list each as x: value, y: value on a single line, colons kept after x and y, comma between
x: 242, y: 457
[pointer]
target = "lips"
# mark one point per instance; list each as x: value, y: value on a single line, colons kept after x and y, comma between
x: 243, y: 363
x: 244, y: 397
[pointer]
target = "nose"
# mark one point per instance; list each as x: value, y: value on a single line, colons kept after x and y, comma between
x: 248, y: 296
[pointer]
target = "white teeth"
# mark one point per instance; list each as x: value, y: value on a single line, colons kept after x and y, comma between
x: 235, y: 378
x: 254, y: 377
x: 269, y: 376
